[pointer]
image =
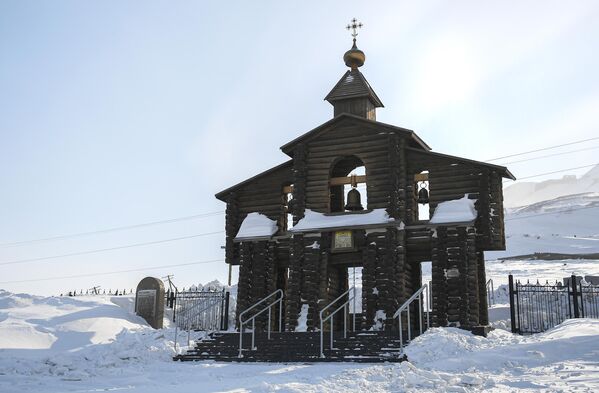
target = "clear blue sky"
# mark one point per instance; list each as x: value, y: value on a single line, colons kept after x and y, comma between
x: 121, y: 112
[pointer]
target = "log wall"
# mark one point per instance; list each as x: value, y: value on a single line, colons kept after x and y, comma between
x: 450, y: 179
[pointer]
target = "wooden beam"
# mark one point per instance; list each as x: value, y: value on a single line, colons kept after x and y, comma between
x: 421, y: 177
x: 338, y: 181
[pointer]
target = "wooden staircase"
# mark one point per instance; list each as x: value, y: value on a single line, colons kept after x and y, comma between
x: 362, y: 347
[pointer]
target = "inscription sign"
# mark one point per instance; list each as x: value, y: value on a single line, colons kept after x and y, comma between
x: 146, y: 302
x: 149, y: 301
x: 343, y: 241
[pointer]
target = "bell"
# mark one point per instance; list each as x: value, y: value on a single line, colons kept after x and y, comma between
x: 354, y: 200
x: 423, y: 196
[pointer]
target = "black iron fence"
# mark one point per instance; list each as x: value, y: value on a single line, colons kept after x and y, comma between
x: 535, y: 308
x: 199, y: 310
x: 97, y: 291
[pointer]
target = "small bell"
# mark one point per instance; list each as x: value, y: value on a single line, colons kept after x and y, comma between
x: 423, y: 194
x: 354, y: 200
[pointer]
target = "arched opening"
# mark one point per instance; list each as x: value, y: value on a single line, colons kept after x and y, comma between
x: 421, y: 194
x: 286, y: 221
x: 347, y: 173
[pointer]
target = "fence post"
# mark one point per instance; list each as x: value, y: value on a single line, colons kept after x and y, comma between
x: 512, y: 305
x: 225, y: 311
x: 575, y: 296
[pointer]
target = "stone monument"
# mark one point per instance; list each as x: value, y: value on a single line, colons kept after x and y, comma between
x: 149, y: 301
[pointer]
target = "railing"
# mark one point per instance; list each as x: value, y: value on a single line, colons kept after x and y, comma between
x: 490, y: 292
x: 406, y: 307
x: 535, y: 308
x: 345, y: 307
x: 180, y: 302
x: 279, y: 300
x: 207, y: 314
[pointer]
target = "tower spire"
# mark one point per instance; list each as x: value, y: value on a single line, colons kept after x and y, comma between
x: 354, y: 57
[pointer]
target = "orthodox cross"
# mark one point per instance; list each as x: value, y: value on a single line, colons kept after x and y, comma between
x: 354, y: 25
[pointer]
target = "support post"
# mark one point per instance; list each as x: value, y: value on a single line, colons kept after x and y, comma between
x: 512, y: 305
x: 575, y: 296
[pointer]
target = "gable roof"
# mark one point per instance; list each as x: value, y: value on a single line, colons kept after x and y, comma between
x: 288, y: 147
x: 223, y: 194
x: 353, y: 84
x: 501, y: 169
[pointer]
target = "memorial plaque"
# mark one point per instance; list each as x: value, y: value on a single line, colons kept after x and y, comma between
x: 343, y: 241
x: 452, y: 273
x: 149, y: 301
x: 146, y: 302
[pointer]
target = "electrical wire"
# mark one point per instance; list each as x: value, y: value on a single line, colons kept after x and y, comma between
x: 112, y: 272
x: 550, y: 173
x: 549, y: 155
x: 108, y: 249
x: 543, y: 149
x: 81, y: 234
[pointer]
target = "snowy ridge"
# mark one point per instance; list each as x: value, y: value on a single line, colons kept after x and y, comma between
x: 527, y: 193
x: 567, y: 225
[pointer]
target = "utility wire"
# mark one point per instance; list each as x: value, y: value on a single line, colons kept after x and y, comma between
x: 81, y: 234
x: 108, y: 249
x: 550, y: 173
x: 543, y: 149
x: 555, y: 212
x: 550, y: 155
x: 112, y: 272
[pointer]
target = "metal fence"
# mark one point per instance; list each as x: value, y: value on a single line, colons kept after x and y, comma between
x: 199, y: 310
x: 535, y: 308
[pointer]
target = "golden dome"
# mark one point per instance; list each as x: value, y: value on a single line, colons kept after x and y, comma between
x: 354, y: 57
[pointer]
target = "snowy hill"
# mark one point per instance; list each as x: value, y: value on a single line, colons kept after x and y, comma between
x: 567, y: 224
x: 527, y: 193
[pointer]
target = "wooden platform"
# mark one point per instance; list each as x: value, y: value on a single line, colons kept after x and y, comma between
x: 360, y: 347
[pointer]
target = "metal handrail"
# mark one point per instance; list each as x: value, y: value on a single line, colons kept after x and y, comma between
x: 344, y: 306
x: 491, y: 294
x: 253, y: 318
x: 186, y: 317
x: 405, y: 307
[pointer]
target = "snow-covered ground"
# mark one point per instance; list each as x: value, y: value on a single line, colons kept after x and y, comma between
x: 96, y: 344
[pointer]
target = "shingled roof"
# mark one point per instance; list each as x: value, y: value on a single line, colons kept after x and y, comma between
x: 353, y: 85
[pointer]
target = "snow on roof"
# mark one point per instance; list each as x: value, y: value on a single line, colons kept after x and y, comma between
x: 256, y: 225
x: 314, y: 221
x: 457, y: 210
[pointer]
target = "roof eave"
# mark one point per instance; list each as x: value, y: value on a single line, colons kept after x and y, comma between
x: 222, y: 194
x: 504, y: 171
x: 287, y: 147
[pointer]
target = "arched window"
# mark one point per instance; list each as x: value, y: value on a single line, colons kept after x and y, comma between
x: 286, y: 221
x: 421, y: 194
x: 346, y: 173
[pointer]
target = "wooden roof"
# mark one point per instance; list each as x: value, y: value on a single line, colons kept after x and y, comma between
x: 353, y: 84
x: 288, y: 147
x: 501, y: 169
x: 223, y: 194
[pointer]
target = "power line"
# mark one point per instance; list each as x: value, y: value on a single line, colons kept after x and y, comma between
x: 108, y: 249
x: 112, y: 272
x: 551, y: 173
x: 550, y: 155
x: 548, y: 213
x: 543, y: 149
x: 81, y: 234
